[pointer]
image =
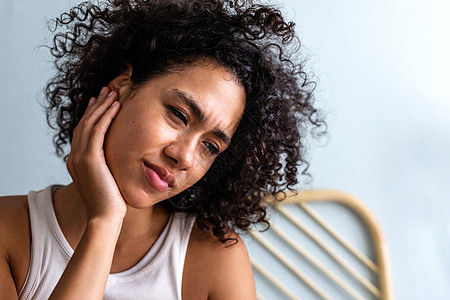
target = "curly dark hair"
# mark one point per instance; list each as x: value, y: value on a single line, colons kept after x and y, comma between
x: 253, y: 41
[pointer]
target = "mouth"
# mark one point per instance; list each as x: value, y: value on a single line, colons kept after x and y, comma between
x: 158, y: 177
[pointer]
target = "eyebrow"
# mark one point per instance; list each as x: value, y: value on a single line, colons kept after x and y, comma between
x: 198, y: 113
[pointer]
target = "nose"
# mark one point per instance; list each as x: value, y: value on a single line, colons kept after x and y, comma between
x: 182, y: 153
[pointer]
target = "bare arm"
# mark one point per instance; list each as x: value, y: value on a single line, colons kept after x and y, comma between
x: 216, y: 271
x: 87, y: 272
x: 14, y: 245
x: 7, y: 286
x: 233, y: 279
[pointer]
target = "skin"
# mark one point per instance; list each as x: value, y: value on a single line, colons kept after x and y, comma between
x: 108, y: 214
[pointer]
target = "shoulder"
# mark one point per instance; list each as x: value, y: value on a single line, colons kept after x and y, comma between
x: 218, y: 270
x: 15, y: 232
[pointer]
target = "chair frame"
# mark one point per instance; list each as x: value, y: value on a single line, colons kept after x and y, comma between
x: 302, y: 198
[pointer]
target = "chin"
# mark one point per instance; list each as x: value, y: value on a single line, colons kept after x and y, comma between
x: 141, y: 199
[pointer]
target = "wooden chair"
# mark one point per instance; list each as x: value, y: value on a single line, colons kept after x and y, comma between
x: 331, y: 267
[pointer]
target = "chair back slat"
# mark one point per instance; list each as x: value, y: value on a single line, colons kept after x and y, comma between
x: 283, y: 259
x: 350, y: 291
x: 274, y: 280
x: 361, y: 279
x: 363, y: 258
x: 326, y: 263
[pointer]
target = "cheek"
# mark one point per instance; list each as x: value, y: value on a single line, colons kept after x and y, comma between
x: 140, y: 130
x: 152, y: 132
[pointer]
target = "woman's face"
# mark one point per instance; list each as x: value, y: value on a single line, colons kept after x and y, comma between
x: 165, y: 138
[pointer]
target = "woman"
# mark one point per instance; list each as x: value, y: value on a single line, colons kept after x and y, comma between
x: 181, y: 117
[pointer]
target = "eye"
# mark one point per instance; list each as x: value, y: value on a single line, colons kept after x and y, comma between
x: 211, y: 148
x: 178, y: 114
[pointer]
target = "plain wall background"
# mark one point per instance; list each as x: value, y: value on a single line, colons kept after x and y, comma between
x: 382, y: 69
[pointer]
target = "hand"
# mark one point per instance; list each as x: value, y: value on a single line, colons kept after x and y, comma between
x: 86, y: 161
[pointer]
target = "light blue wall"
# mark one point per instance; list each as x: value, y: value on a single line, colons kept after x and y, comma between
x: 382, y: 68
x: 384, y: 72
x: 26, y: 152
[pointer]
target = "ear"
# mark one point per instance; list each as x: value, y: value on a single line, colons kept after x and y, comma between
x: 122, y: 81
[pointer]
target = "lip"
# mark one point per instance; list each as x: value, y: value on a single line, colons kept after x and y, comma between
x: 159, y: 178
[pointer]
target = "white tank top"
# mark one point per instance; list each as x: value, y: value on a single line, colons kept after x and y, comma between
x: 157, y: 276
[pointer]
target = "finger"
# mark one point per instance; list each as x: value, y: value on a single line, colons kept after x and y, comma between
x: 99, y: 102
x: 98, y: 133
x: 89, y: 122
x: 76, y: 134
x: 92, y: 101
x: 85, y: 114
x: 101, y: 105
x: 95, y: 102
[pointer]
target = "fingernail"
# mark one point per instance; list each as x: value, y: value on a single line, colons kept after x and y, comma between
x: 91, y: 101
x: 110, y: 94
x: 103, y: 90
x: 114, y: 104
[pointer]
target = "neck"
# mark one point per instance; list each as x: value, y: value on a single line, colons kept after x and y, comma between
x: 143, y: 224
